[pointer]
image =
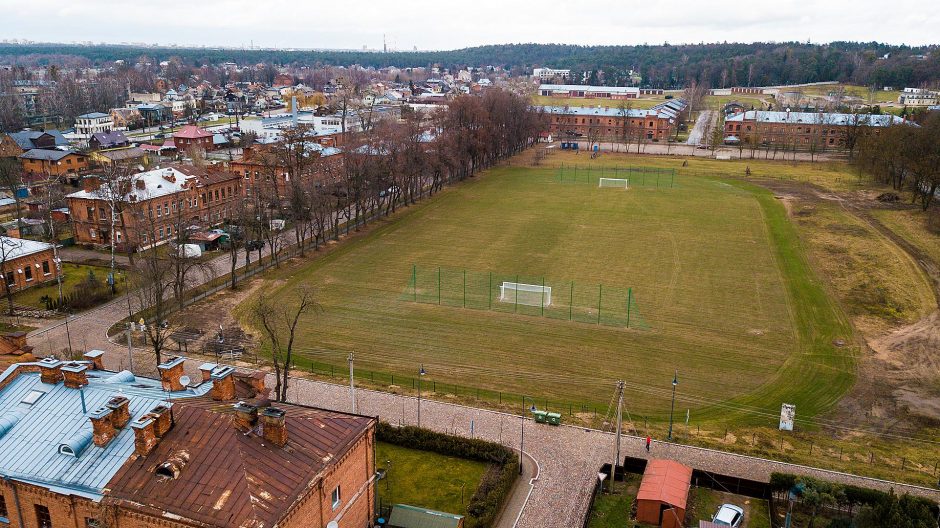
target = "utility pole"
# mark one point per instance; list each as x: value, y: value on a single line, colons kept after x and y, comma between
x: 352, y: 383
x: 675, y: 381
x: 613, y: 467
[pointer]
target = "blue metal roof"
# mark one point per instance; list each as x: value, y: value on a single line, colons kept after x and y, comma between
x: 812, y: 118
x: 30, y: 445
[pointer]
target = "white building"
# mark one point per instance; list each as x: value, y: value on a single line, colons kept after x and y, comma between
x: 918, y: 97
x: 87, y: 125
x: 547, y: 74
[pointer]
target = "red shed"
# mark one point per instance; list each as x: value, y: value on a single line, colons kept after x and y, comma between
x: 663, y: 494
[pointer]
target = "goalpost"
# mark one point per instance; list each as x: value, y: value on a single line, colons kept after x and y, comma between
x: 620, y: 183
x: 527, y: 294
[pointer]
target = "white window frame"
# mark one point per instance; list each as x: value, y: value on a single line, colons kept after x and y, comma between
x: 336, y: 497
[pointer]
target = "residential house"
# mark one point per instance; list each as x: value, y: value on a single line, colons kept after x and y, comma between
x: 124, y: 155
x: 31, y: 139
x: 259, y: 167
x: 83, y: 446
x: 25, y: 263
x: 152, y: 206
x: 41, y: 162
x: 87, y: 125
x: 126, y: 118
x: 107, y: 140
x: 193, y: 136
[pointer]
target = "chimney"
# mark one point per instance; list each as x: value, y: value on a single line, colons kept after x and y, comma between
x: 50, y: 370
x: 74, y: 374
x: 90, y: 183
x: 120, y: 414
x: 96, y: 358
x: 246, y: 416
x: 223, y: 384
x: 17, y: 339
x: 169, y: 175
x: 102, y: 428
x: 163, y: 418
x: 206, y: 370
x: 145, y: 436
x: 274, y: 426
x: 171, y: 371
x: 141, y: 185
x: 255, y: 381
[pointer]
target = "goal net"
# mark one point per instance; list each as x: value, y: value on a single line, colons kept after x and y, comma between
x: 526, y: 294
x: 620, y: 183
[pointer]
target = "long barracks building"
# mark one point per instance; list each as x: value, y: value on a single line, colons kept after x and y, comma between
x: 612, y: 122
x: 802, y: 130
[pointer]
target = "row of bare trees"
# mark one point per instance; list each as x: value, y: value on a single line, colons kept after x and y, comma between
x: 907, y: 157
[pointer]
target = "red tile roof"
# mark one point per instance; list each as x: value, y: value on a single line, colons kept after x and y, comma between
x: 234, y: 479
x: 666, y: 481
x: 192, y: 132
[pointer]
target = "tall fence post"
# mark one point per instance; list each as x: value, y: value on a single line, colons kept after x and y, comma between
x: 515, y: 307
x: 571, y: 301
x: 438, y: 285
x: 542, y: 307
x: 414, y: 281
x: 600, y: 295
x: 465, y: 287
x: 490, y: 301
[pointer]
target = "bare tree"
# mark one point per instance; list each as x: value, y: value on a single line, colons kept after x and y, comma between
x: 279, y: 322
x: 11, y: 179
x: 9, y: 248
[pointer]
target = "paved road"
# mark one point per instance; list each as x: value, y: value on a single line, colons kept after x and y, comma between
x: 697, y: 135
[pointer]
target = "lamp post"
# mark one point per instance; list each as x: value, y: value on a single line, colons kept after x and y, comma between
x: 522, y: 438
x: 421, y: 373
x: 675, y: 381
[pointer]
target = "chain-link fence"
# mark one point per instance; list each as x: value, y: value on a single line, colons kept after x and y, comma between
x: 525, y: 294
x: 656, y: 177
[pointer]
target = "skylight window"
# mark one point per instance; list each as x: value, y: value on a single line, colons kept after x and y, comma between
x: 32, y: 397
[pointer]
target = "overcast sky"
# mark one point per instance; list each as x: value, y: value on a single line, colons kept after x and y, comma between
x: 440, y: 24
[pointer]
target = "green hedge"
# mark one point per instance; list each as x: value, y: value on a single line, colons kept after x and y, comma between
x: 497, y: 482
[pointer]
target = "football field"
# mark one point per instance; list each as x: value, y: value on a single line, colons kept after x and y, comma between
x: 698, y: 258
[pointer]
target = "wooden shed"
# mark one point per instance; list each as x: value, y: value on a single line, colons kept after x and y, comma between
x: 663, y: 494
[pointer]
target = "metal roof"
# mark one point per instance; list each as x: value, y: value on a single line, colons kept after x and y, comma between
x: 813, y: 118
x: 47, y: 154
x: 14, y: 248
x: 94, y: 115
x: 29, y: 447
x: 405, y: 516
x: 666, y: 110
x: 666, y: 481
x: 589, y: 89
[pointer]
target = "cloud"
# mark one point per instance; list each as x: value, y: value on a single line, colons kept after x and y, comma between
x: 433, y: 24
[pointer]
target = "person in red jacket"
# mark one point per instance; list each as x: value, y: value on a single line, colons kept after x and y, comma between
x: 648, y: 441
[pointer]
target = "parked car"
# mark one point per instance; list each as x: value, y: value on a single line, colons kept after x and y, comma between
x: 254, y: 245
x: 729, y: 515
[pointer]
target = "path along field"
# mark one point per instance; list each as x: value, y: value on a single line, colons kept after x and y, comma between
x: 716, y: 269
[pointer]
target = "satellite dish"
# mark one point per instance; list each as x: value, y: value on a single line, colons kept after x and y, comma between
x: 184, y: 380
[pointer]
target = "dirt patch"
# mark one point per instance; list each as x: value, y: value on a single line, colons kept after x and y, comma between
x: 910, y: 358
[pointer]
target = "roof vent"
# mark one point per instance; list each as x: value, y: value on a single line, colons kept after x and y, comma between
x: 172, y: 468
x: 10, y: 419
x: 125, y: 376
x: 76, y: 443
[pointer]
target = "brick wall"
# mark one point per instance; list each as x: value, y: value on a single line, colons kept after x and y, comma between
x: 28, y: 264
x: 64, y: 511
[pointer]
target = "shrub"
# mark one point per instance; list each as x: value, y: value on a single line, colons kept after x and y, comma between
x: 497, y: 481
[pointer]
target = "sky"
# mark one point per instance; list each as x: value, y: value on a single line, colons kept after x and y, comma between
x: 438, y: 24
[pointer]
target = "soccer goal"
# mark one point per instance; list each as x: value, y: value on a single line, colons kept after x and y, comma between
x: 527, y: 294
x: 620, y: 183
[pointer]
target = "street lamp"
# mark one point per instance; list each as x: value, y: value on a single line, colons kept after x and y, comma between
x: 522, y: 438
x: 421, y: 373
x: 675, y: 381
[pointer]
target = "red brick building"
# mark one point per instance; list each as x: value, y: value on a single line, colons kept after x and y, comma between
x: 259, y: 166
x: 153, y: 206
x: 25, y: 263
x: 802, y: 130
x: 154, y: 453
x: 612, y: 122
x: 192, y: 136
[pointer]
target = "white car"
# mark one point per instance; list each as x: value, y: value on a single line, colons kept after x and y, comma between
x: 729, y: 515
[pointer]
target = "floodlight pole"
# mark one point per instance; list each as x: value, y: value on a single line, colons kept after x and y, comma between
x: 352, y: 383
x: 130, y: 349
x: 675, y: 381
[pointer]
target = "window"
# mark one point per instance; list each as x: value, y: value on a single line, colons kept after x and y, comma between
x: 91, y: 213
x: 161, y: 232
x: 3, y: 508
x: 43, y: 519
x: 28, y: 270
x: 92, y: 233
x: 91, y: 522
x: 336, y: 497
x: 11, y: 279
x: 45, y: 267
x: 101, y: 212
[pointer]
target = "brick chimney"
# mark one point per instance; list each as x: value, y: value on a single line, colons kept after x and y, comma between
x: 169, y: 175
x: 246, y: 416
x: 145, y: 436
x: 273, y: 422
x: 141, y: 185
x: 171, y: 371
x: 255, y: 382
x: 74, y: 374
x: 91, y: 183
x: 50, y: 370
x: 96, y: 358
x: 17, y: 339
x: 120, y: 414
x: 163, y: 418
x: 206, y: 370
x: 223, y: 384
x: 102, y: 428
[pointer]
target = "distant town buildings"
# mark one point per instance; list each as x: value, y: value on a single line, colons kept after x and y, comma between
x: 547, y: 74
x: 918, y: 97
x: 596, y: 92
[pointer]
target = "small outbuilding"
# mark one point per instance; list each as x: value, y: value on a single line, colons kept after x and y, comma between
x: 404, y: 516
x: 663, y: 494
